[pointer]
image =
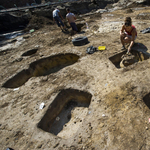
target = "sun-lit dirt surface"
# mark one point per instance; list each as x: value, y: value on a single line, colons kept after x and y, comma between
x: 117, y: 116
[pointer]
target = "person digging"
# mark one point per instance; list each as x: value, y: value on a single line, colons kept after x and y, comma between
x: 56, y: 17
x: 128, y: 34
x: 71, y: 19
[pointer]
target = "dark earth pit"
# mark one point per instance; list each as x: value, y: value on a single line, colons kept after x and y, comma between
x: 146, y: 100
x: 122, y: 60
x: 41, y: 67
x: 30, y: 52
x: 66, y: 113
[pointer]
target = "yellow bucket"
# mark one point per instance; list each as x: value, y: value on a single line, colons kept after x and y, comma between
x: 101, y: 47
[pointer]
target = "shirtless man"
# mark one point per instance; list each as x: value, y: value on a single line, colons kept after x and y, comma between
x: 71, y: 19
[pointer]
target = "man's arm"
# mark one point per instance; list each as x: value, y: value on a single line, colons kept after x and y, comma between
x: 60, y: 15
x: 74, y: 17
x: 122, y: 29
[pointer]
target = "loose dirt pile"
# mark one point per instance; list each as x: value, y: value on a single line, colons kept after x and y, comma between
x: 38, y: 22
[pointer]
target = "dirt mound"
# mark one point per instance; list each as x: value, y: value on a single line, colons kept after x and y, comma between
x: 145, y: 16
x: 58, y: 41
x: 38, y: 22
x: 129, y: 10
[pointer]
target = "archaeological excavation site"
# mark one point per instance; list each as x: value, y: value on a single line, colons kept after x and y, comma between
x: 63, y: 89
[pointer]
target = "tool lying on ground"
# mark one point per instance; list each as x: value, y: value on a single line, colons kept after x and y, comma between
x: 147, y: 30
x: 92, y: 49
x: 101, y: 48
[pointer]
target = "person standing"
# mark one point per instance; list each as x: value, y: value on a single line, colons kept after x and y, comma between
x: 56, y: 18
x: 128, y: 34
x: 71, y: 19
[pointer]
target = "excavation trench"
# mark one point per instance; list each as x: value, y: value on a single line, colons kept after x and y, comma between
x: 121, y: 60
x: 146, y: 100
x: 30, y: 52
x: 66, y: 113
x: 41, y: 67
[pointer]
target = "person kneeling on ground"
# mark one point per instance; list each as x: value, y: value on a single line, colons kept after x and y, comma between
x: 128, y: 34
x: 71, y: 19
x: 56, y: 18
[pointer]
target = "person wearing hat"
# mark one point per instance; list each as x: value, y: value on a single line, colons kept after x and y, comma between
x: 128, y: 34
x: 56, y: 17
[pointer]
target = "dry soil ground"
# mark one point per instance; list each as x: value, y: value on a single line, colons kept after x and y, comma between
x: 90, y: 102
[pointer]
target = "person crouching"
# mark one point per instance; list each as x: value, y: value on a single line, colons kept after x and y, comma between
x: 71, y: 19
x: 128, y: 34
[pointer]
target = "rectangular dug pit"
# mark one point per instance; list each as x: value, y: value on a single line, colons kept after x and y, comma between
x: 146, y: 100
x: 122, y: 60
x: 66, y: 113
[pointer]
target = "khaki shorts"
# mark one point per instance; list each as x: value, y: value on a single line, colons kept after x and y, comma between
x: 130, y: 36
